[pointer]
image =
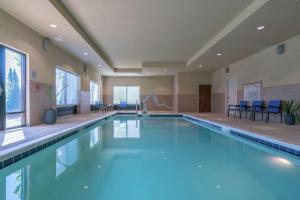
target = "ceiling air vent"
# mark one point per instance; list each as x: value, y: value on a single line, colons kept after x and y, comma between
x: 280, y: 49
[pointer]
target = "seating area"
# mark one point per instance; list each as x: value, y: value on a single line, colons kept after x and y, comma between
x: 262, y: 108
x: 101, y: 107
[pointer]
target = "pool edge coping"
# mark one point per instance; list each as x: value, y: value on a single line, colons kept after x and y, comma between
x: 23, y: 147
x: 13, y: 154
x: 255, y: 137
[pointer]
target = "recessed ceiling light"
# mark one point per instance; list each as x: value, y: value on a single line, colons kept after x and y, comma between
x: 53, y: 25
x: 85, y: 53
x: 59, y: 39
x: 219, y: 54
x: 98, y: 65
x: 260, y: 27
x: 200, y: 66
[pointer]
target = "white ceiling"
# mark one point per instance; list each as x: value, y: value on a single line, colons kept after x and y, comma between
x: 136, y: 31
x: 163, y: 36
x: 38, y: 15
x: 281, y: 19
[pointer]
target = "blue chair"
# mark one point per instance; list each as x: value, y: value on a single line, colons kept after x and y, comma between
x: 242, y: 107
x: 257, y: 107
x: 96, y: 106
x: 123, y: 105
x: 100, y: 106
x: 274, y: 107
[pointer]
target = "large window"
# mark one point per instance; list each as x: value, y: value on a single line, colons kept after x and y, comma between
x: 129, y: 94
x: 94, y: 92
x: 67, y: 87
x: 12, y: 88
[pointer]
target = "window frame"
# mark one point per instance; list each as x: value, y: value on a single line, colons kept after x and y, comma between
x: 4, y: 113
x: 65, y: 82
x: 126, y: 94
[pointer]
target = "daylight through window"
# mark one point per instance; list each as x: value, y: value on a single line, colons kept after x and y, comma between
x: 67, y: 87
x: 129, y: 94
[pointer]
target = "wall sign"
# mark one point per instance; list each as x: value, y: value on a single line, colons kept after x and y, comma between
x: 252, y: 92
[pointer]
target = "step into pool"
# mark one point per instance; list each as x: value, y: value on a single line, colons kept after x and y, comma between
x: 152, y: 158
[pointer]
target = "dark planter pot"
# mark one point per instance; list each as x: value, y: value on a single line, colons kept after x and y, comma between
x: 50, y: 116
x: 290, y: 119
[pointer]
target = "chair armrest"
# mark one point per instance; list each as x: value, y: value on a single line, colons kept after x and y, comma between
x: 246, y: 107
x: 277, y: 107
x: 254, y: 108
x: 274, y: 107
x: 233, y: 106
x: 258, y: 106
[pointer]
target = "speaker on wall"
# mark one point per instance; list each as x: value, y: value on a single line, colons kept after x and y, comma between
x: 45, y: 43
x: 226, y: 70
x: 280, y: 49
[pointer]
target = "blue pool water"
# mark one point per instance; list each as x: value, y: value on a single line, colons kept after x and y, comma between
x: 152, y: 159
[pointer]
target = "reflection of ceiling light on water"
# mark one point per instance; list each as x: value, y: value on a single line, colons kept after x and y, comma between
x: 281, y: 161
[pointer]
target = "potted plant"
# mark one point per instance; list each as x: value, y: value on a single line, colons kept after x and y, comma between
x: 50, y: 114
x: 292, y: 112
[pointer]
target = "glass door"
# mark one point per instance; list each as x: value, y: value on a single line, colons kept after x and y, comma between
x: 12, y: 88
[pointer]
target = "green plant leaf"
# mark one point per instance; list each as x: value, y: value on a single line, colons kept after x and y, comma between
x: 296, y: 108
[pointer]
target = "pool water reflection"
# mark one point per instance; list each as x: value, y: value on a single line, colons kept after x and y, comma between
x: 152, y: 158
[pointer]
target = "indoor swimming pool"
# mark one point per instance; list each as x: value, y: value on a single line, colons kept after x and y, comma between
x: 147, y: 158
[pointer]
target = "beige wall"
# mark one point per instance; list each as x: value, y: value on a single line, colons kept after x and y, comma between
x: 188, y: 82
x: 18, y: 36
x: 188, y: 94
x: 162, y: 86
x: 175, y: 93
x: 279, y: 74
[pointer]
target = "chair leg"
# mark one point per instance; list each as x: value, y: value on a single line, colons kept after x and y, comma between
x: 228, y: 112
x: 280, y: 117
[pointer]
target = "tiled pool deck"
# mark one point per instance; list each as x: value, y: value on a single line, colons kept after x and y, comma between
x: 12, y: 142
x: 277, y: 131
x: 28, y: 137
